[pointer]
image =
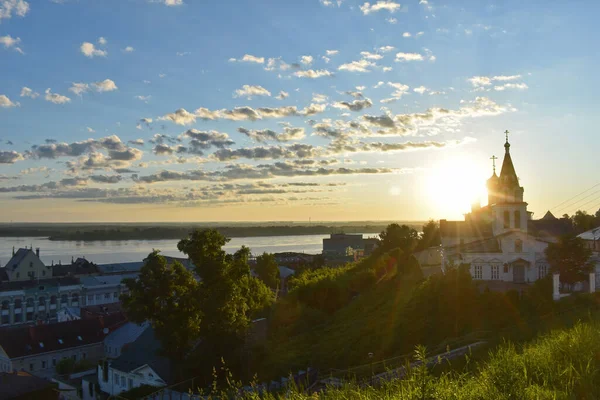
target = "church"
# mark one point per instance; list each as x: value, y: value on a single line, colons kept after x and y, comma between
x: 501, y: 242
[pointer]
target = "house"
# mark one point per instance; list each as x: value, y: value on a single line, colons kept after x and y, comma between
x: 140, y: 363
x: 104, y: 289
x: 501, y: 243
x: 592, y: 240
x: 68, y: 314
x: 118, y: 339
x: 38, y: 349
x: 430, y: 260
x: 79, y: 267
x: 285, y: 274
x: 25, y: 265
x: 24, y: 386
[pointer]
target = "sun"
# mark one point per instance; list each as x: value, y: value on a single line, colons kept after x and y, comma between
x: 454, y: 184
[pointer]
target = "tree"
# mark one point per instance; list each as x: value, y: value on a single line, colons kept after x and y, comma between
x: 582, y: 221
x: 168, y: 297
x: 430, y: 236
x: 396, y: 236
x: 267, y: 270
x: 570, y: 257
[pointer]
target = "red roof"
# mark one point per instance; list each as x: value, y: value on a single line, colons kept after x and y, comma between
x: 39, y: 339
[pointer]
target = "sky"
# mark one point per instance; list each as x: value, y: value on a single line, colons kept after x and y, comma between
x: 193, y: 110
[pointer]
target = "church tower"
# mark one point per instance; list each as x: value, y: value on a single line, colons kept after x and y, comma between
x: 505, y: 197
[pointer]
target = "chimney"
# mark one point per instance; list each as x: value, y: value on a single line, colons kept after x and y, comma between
x: 13, y: 251
x: 37, y: 252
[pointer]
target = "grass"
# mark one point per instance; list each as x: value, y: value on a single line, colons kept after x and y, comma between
x: 562, y: 364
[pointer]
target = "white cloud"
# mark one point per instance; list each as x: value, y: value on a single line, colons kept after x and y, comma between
x: 10, y: 42
x: 79, y: 88
x: 276, y: 63
x: 313, y: 74
x: 9, y: 7
x: 90, y: 130
x: 282, y: 95
x: 319, y: 98
x: 26, y: 92
x: 388, y: 5
x: 379, y: 84
x: 249, y: 58
x: 386, y: 49
x: 331, y: 3
x: 89, y: 50
x: 332, y: 52
x: 106, y: 85
x: 326, y: 59
x: 391, y: 20
x: 401, y: 90
x: 387, y: 69
x: 406, y: 34
x: 506, y: 78
x: 371, y: 56
x: 143, y: 98
x: 162, y: 75
x: 55, y: 97
x: 170, y: 3
x: 250, y: 90
x: 400, y: 57
x: 183, y: 53
x: 128, y: 49
x: 420, y: 89
x: 357, y: 66
x: 419, y: 34
x: 5, y: 102
x: 102, y: 41
x: 306, y: 60
x: 518, y: 86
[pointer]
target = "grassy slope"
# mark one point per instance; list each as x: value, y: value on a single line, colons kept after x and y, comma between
x: 366, y: 325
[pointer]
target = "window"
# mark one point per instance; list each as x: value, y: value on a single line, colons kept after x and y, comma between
x: 542, y: 271
x: 5, y: 305
x: 130, y: 383
x: 30, y: 264
x: 54, y: 362
x: 52, y: 299
x: 18, y: 274
x: 495, y: 272
x: 106, y: 296
x: 115, y: 295
x: 478, y: 272
x: 64, y: 299
x: 90, y: 298
x: 116, y: 379
x: 98, y: 297
x: 123, y: 381
x: 518, y: 219
x: 83, y: 356
x: 74, y: 357
x: 43, y: 273
x: 18, y: 303
x: 506, y: 219
x: 31, y: 367
x: 44, y: 364
x: 42, y: 301
x: 518, y: 246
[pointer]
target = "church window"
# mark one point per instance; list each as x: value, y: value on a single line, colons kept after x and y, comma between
x: 506, y: 219
x: 478, y: 272
x: 506, y: 268
x: 518, y: 246
x: 518, y: 219
x: 542, y: 271
x: 495, y: 272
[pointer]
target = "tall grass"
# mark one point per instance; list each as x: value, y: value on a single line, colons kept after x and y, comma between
x: 563, y: 364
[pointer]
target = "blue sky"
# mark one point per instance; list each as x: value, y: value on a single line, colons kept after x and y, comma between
x: 289, y: 110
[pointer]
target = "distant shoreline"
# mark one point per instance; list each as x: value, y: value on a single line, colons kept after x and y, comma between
x: 113, y: 232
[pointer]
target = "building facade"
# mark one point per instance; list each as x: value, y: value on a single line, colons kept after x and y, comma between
x: 501, y: 242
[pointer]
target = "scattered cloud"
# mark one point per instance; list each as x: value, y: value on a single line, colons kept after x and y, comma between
x: 386, y: 49
x: 306, y: 60
x: 319, y: 98
x: 481, y: 83
x: 357, y: 66
x: 356, y: 105
x: 406, y: 34
x: 249, y: 58
x: 9, y: 157
x: 420, y: 89
x: 89, y: 50
x: 5, y: 102
x: 251, y: 90
x: 145, y: 99
x: 387, y: 5
x: 10, y: 42
x: 128, y: 49
x: 20, y: 8
x: 102, y: 41
x: 265, y: 135
x: 282, y: 95
x: 27, y: 92
x: 331, y: 3
x: 401, y: 57
x: 313, y: 74
x: 391, y: 20
x: 106, y: 85
x: 518, y: 86
x: 371, y: 56
x: 332, y: 52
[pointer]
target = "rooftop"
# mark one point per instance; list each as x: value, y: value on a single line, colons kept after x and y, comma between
x: 21, y: 384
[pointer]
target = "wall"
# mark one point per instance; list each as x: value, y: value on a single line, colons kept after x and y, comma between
x: 29, y: 264
x: 45, y: 364
x: 127, y: 381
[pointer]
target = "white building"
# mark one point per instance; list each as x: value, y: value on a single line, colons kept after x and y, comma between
x: 500, y: 242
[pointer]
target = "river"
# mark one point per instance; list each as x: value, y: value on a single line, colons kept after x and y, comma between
x: 135, y: 250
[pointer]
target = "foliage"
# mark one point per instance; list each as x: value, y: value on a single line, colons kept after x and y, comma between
x: 69, y: 366
x: 571, y: 258
x: 167, y: 296
x: 139, y: 392
x: 430, y: 236
x: 396, y: 236
x: 267, y: 270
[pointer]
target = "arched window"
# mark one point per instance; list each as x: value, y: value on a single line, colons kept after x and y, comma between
x: 42, y: 301
x: 518, y: 195
x: 518, y: 246
x: 30, y: 302
x: 518, y: 219
x: 75, y: 297
x: 506, y: 219
x: 18, y: 303
x: 5, y: 305
x: 52, y: 299
x: 64, y: 299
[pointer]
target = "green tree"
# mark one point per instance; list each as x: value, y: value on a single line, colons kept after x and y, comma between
x: 267, y: 270
x: 167, y: 295
x: 582, y: 221
x: 396, y: 236
x: 570, y: 257
x: 430, y: 236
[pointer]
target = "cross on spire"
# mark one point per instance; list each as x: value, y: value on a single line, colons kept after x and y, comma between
x: 506, y: 132
x: 494, y: 158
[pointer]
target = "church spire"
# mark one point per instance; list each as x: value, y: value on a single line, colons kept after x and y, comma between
x: 507, y: 173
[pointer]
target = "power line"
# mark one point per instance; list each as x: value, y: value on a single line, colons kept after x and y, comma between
x: 580, y: 200
x: 591, y: 201
x: 577, y: 195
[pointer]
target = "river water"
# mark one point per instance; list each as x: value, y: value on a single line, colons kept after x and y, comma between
x: 106, y: 252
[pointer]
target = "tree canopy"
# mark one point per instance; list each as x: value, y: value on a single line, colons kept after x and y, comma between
x: 430, y: 236
x: 267, y: 270
x: 396, y: 236
x: 570, y: 257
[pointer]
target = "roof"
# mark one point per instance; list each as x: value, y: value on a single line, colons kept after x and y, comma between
x: 549, y: 228
x: 18, y: 257
x: 74, y: 311
x: 127, y: 333
x: 465, y: 229
x: 29, y: 340
x: 21, y: 285
x: 101, y: 280
x: 77, y: 268
x: 19, y: 384
x: 285, y: 272
x: 489, y: 245
x: 592, y: 234
x: 121, y: 267
x: 548, y: 216
x: 507, y: 173
x: 144, y: 351
x: 101, y: 309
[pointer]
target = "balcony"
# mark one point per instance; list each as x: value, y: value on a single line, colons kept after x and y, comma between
x: 41, y: 308
x: 4, y: 312
x: 53, y: 306
x: 74, y: 304
x: 29, y: 309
